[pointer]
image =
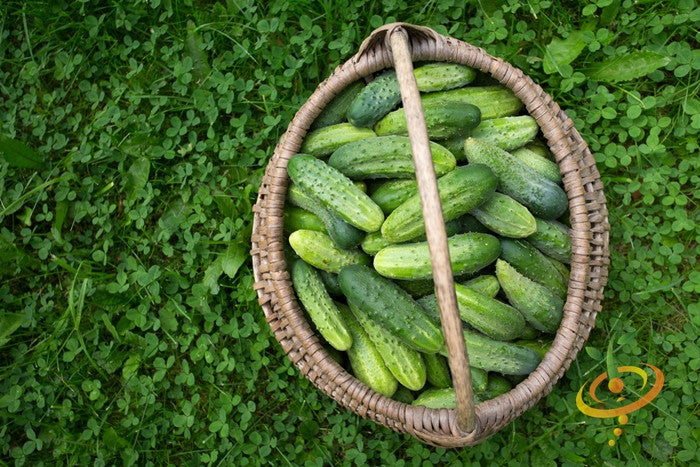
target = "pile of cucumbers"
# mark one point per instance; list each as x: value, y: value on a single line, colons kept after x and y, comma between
x: 358, y: 255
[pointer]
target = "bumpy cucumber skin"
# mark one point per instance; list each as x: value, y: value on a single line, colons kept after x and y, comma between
x: 367, y: 363
x: 375, y: 100
x: 485, y: 284
x: 502, y: 357
x: 461, y: 190
x: 437, y: 370
x: 444, y: 120
x: 542, y: 197
x: 492, y: 317
x: 507, y: 132
x: 319, y: 250
x: 534, y: 265
x: 390, y: 194
x: 336, y: 110
x: 539, y: 164
x: 539, y: 305
x: 404, y: 362
x: 373, y: 243
x: 492, y: 101
x: 320, y: 307
x: 505, y: 216
x: 335, y: 191
x: 296, y: 218
x: 469, y: 252
x: 322, y: 142
x: 442, y: 76
x: 391, y: 307
x: 386, y: 157
x: 552, y: 239
x: 437, y: 398
x: 330, y: 281
x: 344, y: 235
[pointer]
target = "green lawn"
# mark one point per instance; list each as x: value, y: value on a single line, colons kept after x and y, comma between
x: 129, y: 330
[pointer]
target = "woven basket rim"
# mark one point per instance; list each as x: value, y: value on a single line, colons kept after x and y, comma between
x: 589, y: 244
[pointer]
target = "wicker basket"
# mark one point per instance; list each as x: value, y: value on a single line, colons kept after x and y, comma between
x: 589, y: 239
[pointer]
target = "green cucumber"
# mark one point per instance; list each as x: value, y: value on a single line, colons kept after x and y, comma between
x: 541, y: 307
x: 404, y: 362
x: 330, y: 281
x: 441, y: 76
x: 540, y: 164
x: 505, y: 216
x: 469, y: 223
x: 417, y: 288
x: 552, y: 239
x: 390, y: 306
x: 496, y: 386
x: 335, y: 191
x: 533, y: 264
x: 443, y: 119
x: 469, y: 252
x: 502, y: 357
x: 437, y: 370
x: 542, y: 346
x: 542, y: 197
x: 365, y: 359
x: 507, y: 133
x: 492, y: 317
x: 541, y: 149
x: 386, y: 157
x: 485, y: 284
x: 492, y: 101
x: 296, y: 218
x: 373, y: 243
x: 390, y: 194
x: 320, y: 307
x: 336, y: 110
x: 529, y: 333
x: 319, y: 250
x: 378, y: 98
x: 404, y: 395
x: 324, y: 141
x: 343, y: 234
x: 461, y: 190
x: 563, y: 270
x: 437, y: 398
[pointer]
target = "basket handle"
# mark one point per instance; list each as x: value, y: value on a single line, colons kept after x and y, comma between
x: 398, y: 42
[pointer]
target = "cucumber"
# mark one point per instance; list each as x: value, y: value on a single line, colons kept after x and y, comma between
x: 492, y: 317
x: 391, y: 307
x: 330, y: 281
x: 492, y: 101
x: 552, y: 239
x: 335, y: 191
x: 539, y: 305
x: 296, y: 218
x: 530, y: 262
x: 507, y: 133
x: 343, y: 234
x: 375, y: 100
x: 542, y: 197
x: 319, y: 250
x: 367, y: 363
x: 496, y: 386
x: 541, y: 149
x: 505, y: 216
x: 322, y: 142
x: 386, y: 157
x: 461, y: 190
x: 502, y: 357
x: 485, y: 284
x: 469, y: 223
x: 563, y: 271
x: 404, y: 395
x: 417, y: 288
x: 320, y: 307
x: 404, y: 362
x: 540, y: 164
x: 337, y: 108
x: 542, y: 346
x: 469, y: 252
x: 437, y: 398
x: 443, y: 119
x: 392, y: 193
x: 437, y: 370
x: 373, y: 242
x: 529, y: 333
x: 440, y: 76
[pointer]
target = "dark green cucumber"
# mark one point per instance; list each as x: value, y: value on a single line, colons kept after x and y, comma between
x: 320, y: 307
x: 404, y: 362
x: 507, y: 133
x: 335, y: 191
x: 529, y: 333
x: 392, y: 193
x: 563, y: 269
x: 469, y: 223
x: 485, y: 284
x: 443, y: 119
x: 502, y: 357
x: 390, y: 306
x: 542, y: 197
x: 386, y: 157
x: 505, y: 216
x: 533, y: 264
x: 404, y: 395
x: 540, y: 164
x: 541, y: 307
x: 365, y: 359
x: 496, y: 386
x: 417, y: 288
x: 320, y: 251
x: 378, y: 98
x: 492, y: 317
x: 461, y: 190
x: 437, y: 370
x: 324, y: 141
x: 469, y: 252
x: 296, y: 218
x: 330, y: 280
x: 336, y: 110
x: 343, y: 234
x: 552, y: 239
x: 492, y: 101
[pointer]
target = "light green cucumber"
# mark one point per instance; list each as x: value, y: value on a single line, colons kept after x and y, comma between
x: 324, y: 141
x: 336, y: 110
x: 492, y: 317
x: 540, y: 164
x: 505, y: 216
x: 542, y: 346
x: 441, y: 76
x: 373, y: 243
x: 541, y: 307
x: 552, y: 239
x: 492, y: 101
x: 461, y: 190
x: 533, y: 264
x: 320, y: 307
x: 437, y: 398
x: 335, y: 191
x: 437, y: 370
x: 507, y: 133
x: 443, y: 119
x: 485, y: 284
x: 390, y: 194
x: 319, y: 250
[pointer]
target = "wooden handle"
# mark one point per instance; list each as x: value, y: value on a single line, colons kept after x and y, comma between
x: 435, y: 230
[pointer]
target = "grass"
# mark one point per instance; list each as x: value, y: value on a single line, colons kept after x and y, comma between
x: 130, y: 332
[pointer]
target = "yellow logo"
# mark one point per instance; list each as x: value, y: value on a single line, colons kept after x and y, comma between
x: 616, y: 386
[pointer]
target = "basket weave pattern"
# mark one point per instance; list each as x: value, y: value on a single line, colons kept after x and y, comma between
x: 589, y: 239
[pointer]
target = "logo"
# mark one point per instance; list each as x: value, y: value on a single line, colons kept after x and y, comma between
x: 617, y: 386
